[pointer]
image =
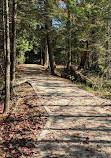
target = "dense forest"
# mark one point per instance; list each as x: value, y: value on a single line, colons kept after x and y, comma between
x: 55, y: 78
x: 72, y: 33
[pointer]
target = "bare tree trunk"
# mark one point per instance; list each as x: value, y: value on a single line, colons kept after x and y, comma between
x: 46, y: 53
x: 95, y: 65
x: 4, y: 37
x: 13, y: 54
x: 68, y: 44
x: 1, y: 33
x: 108, y: 55
x: 51, y: 57
x: 7, y: 63
x: 41, y: 56
x: 49, y: 40
x: 84, y: 58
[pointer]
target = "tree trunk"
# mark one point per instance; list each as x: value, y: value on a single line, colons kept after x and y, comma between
x: 68, y: 44
x: 1, y: 34
x: 13, y: 54
x: 7, y: 62
x: 108, y: 55
x: 46, y: 54
x: 84, y: 58
x: 95, y: 65
x: 51, y: 57
x: 4, y: 36
x: 49, y: 40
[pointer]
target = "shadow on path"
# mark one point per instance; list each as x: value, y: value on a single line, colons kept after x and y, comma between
x: 80, y: 123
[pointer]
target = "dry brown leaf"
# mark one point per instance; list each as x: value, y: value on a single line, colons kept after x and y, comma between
x: 89, y: 149
x: 99, y: 150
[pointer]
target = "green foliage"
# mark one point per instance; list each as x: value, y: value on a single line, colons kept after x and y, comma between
x: 87, y: 88
x: 88, y: 24
x: 72, y: 78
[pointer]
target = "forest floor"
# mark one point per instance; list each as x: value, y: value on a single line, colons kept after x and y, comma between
x: 68, y: 123
x: 22, y: 127
x: 93, y: 81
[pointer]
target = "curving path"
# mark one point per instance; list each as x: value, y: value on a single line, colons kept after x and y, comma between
x: 79, y: 123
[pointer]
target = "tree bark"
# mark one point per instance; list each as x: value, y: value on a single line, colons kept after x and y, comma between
x: 68, y: 44
x: 46, y: 53
x: 49, y: 40
x: 108, y: 55
x: 13, y: 54
x: 4, y: 37
x: 95, y: 65
x: 51, y: 57
x: 84, y: 58
x: 7, y: 62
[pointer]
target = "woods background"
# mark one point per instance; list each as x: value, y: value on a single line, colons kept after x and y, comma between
x: 72, y: 33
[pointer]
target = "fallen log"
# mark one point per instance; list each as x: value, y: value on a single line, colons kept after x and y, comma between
x: 80, y: 77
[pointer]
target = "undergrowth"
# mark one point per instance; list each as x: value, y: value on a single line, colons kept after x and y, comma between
x: 101, y: 86
x: 102, y: 89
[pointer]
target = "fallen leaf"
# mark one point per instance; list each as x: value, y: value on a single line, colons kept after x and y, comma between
x: 89, y: 149
x: 99, y: 150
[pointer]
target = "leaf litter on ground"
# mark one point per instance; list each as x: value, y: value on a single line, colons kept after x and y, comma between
x: 19, y: 131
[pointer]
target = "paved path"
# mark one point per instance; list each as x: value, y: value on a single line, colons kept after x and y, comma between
x: 79, y: 123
